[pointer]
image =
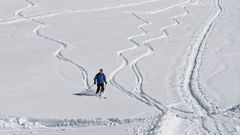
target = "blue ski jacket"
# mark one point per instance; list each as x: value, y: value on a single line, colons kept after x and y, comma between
x: 100, y: 78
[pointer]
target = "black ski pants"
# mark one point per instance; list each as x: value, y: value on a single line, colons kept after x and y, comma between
x: 100, y: 86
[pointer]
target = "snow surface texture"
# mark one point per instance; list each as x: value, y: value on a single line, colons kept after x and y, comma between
x: 172, y: 67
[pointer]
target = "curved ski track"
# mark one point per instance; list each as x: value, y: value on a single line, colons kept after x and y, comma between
x: 139, y: 78
x: 133, y: 64
x: 58, y: 13
x: 19, y: 123
x: 63, y: 45
x: 23, y: 123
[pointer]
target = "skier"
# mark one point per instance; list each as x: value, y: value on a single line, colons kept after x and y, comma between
x: 100, y: 79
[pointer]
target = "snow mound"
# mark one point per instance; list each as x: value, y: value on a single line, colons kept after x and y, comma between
x: 9, y: 122
x: 235, y: 109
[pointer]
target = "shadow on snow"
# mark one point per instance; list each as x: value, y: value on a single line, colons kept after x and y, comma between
x: 85, y: 93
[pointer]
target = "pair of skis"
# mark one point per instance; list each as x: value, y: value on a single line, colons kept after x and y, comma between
x: 101, y: 96
x: 98, y: 95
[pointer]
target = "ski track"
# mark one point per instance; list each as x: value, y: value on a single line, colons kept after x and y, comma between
x: 201, y: 103
x: 64, y: 12
x: 133, y: 64
x: 205, y: 111
x: 23, y: 123
x: 63, y: 45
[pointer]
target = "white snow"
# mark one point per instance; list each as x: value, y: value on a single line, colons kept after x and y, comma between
x: 172, y: 67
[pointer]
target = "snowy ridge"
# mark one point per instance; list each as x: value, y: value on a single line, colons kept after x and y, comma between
x: 86, y: 122
x: 10, y: 122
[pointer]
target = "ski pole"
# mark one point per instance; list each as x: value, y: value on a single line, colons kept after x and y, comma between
x: 91, y: 86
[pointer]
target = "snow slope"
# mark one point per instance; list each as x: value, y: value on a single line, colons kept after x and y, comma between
x: 172, y: 67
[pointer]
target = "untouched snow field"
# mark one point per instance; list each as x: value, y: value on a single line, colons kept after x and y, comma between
x: 173, y: 67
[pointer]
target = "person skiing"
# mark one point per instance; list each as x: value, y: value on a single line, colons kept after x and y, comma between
x: 100, y: 79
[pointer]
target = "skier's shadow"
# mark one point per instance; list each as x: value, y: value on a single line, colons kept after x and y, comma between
x: 88, y: 93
